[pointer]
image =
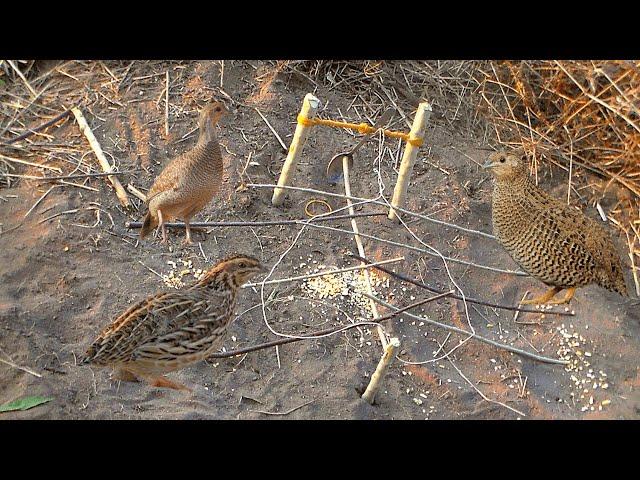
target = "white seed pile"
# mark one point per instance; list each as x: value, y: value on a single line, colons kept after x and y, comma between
x: 174, y: 278
x: 346, y: 287
x: 587, y: 384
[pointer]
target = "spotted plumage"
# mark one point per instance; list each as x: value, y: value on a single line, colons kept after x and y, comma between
x: 170, y: 330
x: 550, y: 240
x: 189, y: 181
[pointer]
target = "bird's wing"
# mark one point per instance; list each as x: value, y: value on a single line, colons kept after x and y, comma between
x: 189, y: 335
x: 152, y: 317
x: 578, y: 231
x: 169, y: 177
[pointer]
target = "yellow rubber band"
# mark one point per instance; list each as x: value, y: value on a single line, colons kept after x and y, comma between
x: 360, y: 127
x: 315, y: 200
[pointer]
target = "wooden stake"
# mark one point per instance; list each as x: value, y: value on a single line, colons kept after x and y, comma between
x: 309, y: 107
x: 376, y: 379
x: 104, y: 163
x: 409, y: 157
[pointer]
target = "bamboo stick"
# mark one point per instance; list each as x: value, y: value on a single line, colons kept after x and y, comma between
x: 309, y: 107
x: 104, y: 163
x: 409, y: 158
x: 376, y: 379
x: 356, y: 236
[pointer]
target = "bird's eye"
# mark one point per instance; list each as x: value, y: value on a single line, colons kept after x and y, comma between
x: 502, y: 160
x: 218, y: 109
x: 243, y: 265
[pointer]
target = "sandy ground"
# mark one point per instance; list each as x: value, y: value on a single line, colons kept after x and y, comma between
x: 65, y: 278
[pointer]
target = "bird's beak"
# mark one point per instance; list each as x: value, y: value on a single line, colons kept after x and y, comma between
x: 488, y: 164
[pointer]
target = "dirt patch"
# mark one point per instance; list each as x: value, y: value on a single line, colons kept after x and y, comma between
x: 63, y: 279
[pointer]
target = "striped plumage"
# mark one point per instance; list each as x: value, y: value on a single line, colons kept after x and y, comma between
x: 171, y: 330
x: 550, y: 240
x: 189, y: 181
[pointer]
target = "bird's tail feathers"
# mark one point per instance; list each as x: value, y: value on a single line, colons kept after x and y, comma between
x: 148, y: 224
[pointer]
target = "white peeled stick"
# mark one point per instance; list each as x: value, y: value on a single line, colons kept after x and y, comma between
x: 309, y: 108
x: 409, y: 157
x: 104, y: 163
x: 376, y: 379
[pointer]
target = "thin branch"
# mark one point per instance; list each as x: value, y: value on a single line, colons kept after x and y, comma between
x: 404, y: 278
x: 35, y: 130
x: 480, y: 338
x: 22, y: 77
x: 321, y: 274
x: 258, y: 224
x: 423, y: 250
x: 375, y: 202
x: 291, y: 410
x: 323, y: 333
x: 477, y: 389
x: 282, y: 144
x: 66, y: 177
x: 15, y: 365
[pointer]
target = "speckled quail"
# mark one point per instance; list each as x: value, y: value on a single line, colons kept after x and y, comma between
x: 171, y: 330
x: 550, y: 240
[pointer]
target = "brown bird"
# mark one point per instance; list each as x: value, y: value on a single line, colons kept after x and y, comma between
x: 189, y: 181
x: 550, y: 240
x: 171, y: 330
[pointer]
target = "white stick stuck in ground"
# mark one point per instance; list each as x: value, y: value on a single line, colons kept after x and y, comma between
x: 97, y: 149
x: 309, y: 107
x: 409, y: 157
x: 376, y: 379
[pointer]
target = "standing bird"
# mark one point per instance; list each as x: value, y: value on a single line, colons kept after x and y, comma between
x: 547, y: 238
x: 171, y: 330
x: 189, y: 181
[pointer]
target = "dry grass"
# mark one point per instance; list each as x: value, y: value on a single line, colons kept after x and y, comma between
x: 375, y: 85
x: 103, y: 88
x: 583, y: 116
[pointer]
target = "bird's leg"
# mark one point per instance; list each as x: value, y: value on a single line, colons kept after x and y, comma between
x: 187, y: 241
x: 567, y: 298
x: 544, y: 298
x: 125, y: 375
x: 164, y: 382
x: 162, y: 227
